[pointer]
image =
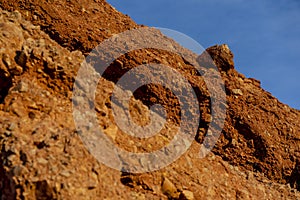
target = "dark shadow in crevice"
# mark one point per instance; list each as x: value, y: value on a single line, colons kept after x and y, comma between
x: 294, y: 179
x: 7, y: 184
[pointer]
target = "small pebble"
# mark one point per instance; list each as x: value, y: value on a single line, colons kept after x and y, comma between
x: 12, y: 127
x: 237, y: 92
x: 65, y: 173
x: 42, y: 161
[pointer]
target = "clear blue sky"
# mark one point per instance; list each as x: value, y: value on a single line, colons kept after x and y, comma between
x: 264, y: 35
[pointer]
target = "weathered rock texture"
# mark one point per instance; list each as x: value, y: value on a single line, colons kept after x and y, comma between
x: 42, y: 156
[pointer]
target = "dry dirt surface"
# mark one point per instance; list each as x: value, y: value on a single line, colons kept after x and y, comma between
x: 42, y: 46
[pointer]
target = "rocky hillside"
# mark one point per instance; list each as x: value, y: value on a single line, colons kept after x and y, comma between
x: 42, y: 46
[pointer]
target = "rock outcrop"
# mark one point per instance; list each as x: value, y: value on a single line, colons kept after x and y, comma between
x: 42, y: 46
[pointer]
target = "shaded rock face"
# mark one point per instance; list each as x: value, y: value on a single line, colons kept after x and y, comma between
x: 42, y: 156
x: 6, y: 82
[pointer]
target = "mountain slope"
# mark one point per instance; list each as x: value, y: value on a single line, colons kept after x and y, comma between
x: 43, y: 157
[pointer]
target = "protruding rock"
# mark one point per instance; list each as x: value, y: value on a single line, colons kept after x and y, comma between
x: 222, y: 56
x: 22, y: 86
x: 21, y: 58
x: 169, y: 189
x: 237, y: 92
x: 186, y: 195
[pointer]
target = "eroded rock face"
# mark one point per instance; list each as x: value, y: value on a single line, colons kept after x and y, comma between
x: 42, y: 156
x: 11, y: 37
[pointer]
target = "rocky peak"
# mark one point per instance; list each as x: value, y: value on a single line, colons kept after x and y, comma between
x: 222, y: 56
